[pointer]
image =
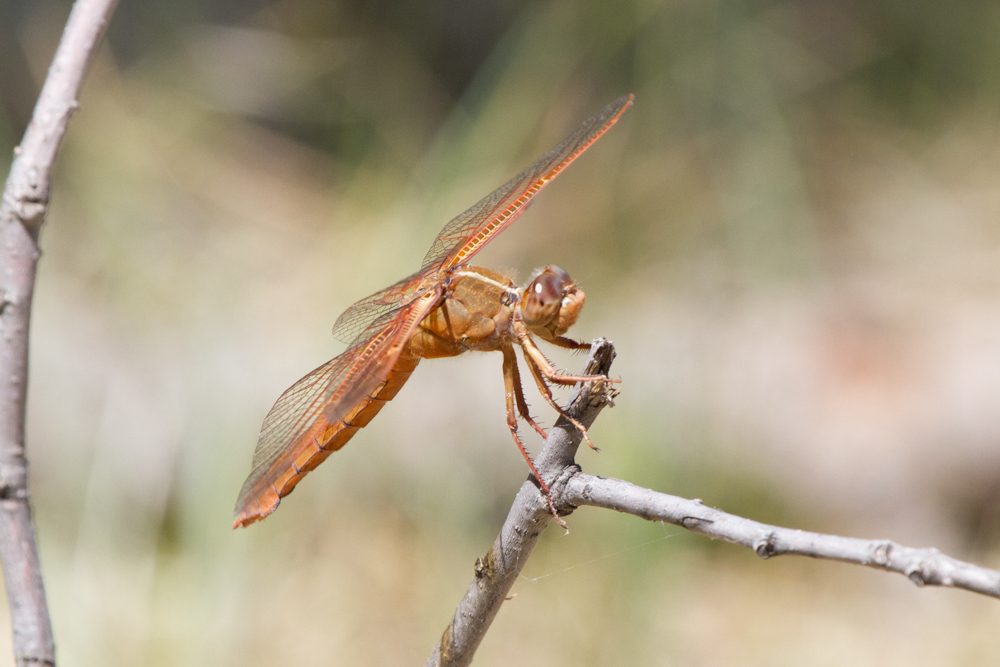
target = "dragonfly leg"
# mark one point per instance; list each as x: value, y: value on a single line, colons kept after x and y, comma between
x: 447, y: 316
x: 533, y: 354
x: 546, y: 392
x: 512, y: 380
x: 509, y: 382
x: 569, y: 343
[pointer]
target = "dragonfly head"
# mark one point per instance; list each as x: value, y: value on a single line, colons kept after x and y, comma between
x: 551, y: 303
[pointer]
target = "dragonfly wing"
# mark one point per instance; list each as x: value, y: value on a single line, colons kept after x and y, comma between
x: 465, y: 235
x: 319, y: 413
x: 378, y: 307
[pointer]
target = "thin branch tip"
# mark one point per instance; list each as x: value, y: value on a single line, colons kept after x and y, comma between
x: 924, y: 567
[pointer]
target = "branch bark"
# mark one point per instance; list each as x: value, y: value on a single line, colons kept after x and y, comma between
x: 528, y: 517
x: 22, y: 210
x: 923, y: 566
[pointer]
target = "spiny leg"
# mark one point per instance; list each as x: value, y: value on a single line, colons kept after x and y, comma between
x: 510, y: 382
x: 533, y: 354
x: 570, y: 344
x: 546, y: 393
x: 510, y: 366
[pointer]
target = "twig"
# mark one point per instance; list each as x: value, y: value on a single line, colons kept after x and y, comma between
x: 572, y: 488
x: 528, y: 517
x: 923, y: 566
x: 22, y: 211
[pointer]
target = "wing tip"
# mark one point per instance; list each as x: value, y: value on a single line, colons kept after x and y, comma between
x: 251, y: 510
x: 617, y: 108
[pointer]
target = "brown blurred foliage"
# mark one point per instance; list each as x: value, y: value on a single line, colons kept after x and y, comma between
x: 792, y: 238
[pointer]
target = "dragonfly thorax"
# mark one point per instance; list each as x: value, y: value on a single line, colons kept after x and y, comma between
x: 474, y: 313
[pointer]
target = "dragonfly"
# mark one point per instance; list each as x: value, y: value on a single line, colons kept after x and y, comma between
x: 446, y: 308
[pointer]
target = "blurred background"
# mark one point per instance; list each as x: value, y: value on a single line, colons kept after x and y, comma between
x: 792, y: 238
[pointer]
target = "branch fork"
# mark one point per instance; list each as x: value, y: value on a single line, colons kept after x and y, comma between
x: 571, y: 488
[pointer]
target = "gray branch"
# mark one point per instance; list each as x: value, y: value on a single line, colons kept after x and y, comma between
x: 22, y: 210
x: 528, y: 517
x: 923, y: 566
x: 571, y: 488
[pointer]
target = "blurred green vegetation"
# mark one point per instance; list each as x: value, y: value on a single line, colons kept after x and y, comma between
x: 792, y: 239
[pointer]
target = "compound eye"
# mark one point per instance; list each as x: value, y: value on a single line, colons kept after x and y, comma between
x: 563, y: 277
x: 546, y: 289
x: 542, y: 299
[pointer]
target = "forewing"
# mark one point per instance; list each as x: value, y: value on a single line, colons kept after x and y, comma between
x: 465, y: 235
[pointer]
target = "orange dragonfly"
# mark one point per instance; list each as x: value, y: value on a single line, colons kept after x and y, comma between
x: 443, y: 310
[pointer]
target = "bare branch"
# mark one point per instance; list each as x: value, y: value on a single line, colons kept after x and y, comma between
x: 923, y: 566
x: 528, y: 517
x: 572, y: 488
x: 22, y: 211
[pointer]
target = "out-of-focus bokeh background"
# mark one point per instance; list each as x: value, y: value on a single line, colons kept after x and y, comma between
x: 792, y: 238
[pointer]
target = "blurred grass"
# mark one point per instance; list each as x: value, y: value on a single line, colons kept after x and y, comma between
x: 792, y: 239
